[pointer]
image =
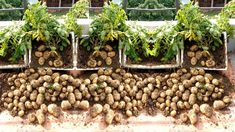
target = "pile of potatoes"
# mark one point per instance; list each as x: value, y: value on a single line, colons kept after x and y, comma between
x: 204, y: 58
x: 114, y: 93
x: 99, y: 57
x: 43, y: 54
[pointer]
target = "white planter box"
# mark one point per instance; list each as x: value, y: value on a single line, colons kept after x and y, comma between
x: 16, y: 66
x: 143, y: 66
x: 213, y: 68
x: 73, y: 56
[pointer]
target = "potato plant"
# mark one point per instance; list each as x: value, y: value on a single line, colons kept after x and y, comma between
x: 141, y: 42
x: 14, y: 42
x: 79, y: 10
x: 46, y: 31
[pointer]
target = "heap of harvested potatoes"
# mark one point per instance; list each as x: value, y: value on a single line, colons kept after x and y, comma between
x: 114, y: 93
x: 100, y: 58
x: 204, y: 58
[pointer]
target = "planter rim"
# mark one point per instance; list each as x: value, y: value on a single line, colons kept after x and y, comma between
x: 213, y: 68
x: 17, y: 66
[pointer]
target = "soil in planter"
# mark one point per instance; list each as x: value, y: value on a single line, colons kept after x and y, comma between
x: 66, y: 56
x: 5, y: 61
x: 152, y: 61
x: 84, y: 56
x: 218, y: 56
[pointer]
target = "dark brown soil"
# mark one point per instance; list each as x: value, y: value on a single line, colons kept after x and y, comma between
x: 83, y: 57
x: 67, y: 56
x: 151, y: 61
x: 5, y: 61
x: 218, y: 54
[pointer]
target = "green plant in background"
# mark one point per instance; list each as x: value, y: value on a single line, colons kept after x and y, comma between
x: 79, y: 10
x: 107, y: 26
x: 14, y: 42
x: 6, y: 15
x: 195, y: 26
x: 139, y: 42
x: 42, y: 26
x: 151, y: 16
x: 223, y: 18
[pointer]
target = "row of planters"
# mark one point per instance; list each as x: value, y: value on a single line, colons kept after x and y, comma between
x: 113, y: 43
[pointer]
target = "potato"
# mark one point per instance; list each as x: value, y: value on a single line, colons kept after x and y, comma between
x: 226, y: 99
x: 28, y: 105
x: 43, y: 107
x: 110, y: 99
x: 46, y: 55
x: 31, y: 118
x: 40, y: 117
x: 194, y: 48
x: 21, y: 113
x: 58, y: 63
x: 193, y: 61
x: 108, y: 61
x: 184, y: 117
x: 173, y: 113
x: 210, y: 63
x: 111, y: 54
x: 108, y: 48
x: 96, y: 109
x: 218, y: 104
x: 192, y: 99
x: 84, y: 105
x: 54, y: 110
x: 41, y: 61
x: 65, y: 105
x: 128, y: 113
x: 190, y: 54
x: 38, y: 54
x: 117, y: 117
x: 206, y: 110
x: 109, y: 117
x: 71, y: 98
x: 192, y: 117
x: 198, y: 55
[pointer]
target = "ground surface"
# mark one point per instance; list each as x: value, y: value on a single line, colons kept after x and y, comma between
x: 80, y: 121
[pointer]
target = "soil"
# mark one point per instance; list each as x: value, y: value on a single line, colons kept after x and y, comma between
x: 67, y: 56
x: 83, y: 57
x: 218, y: 55
x: 5, y: 61
x: 151, y: 61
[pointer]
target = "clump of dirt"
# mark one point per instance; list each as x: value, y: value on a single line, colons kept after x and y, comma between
x: 34, y: 93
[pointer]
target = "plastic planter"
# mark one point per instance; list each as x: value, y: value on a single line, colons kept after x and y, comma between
x: 60, y: 68
x: 212, y: 68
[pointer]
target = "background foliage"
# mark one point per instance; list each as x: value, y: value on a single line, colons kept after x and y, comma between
x: 10, y: 15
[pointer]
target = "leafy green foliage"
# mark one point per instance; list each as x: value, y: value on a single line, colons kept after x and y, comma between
x: 139, y: 41
x: 79, y: 10
x: 7, y: 15
x: 151, y: 16
x: 107, y: 26
x: 14, y: 42
x: 223, y: 18
x: 195, y: 26
x: 42, y: 26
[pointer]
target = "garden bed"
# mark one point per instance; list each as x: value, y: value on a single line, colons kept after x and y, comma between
x: 83, y: 57
x: 5, y: 64
x: 219, y: 56
x: 67, y: 57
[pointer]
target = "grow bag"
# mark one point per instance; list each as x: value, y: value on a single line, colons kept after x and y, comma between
x: 70, y: 61
x: 221, y: 57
